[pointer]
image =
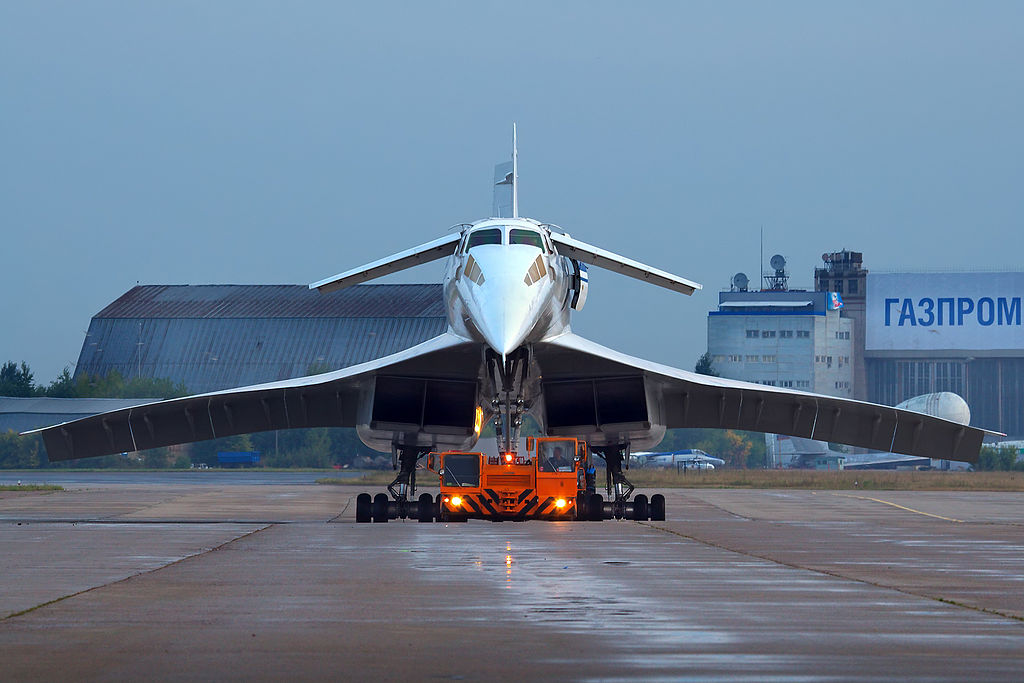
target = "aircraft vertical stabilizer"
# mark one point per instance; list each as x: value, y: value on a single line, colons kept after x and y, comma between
x: 506, y: 185
x: 503, y: 180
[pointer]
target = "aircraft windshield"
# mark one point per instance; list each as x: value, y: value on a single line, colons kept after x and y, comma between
x: 556, y: 456
x: 461, y: 469
x: 524, y: 236
x: 489, y: 236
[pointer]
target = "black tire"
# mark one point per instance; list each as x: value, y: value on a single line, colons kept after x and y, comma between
x: 595, y: 508
x: 380, y: 508
x: 364, y: 505
x: 581, y: 507
x: 640, y: 510
x: 657, y: 508
x: 426, y: 509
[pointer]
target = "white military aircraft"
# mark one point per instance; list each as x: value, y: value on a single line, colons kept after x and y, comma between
x: 687, y: 458
x: 509, y: 286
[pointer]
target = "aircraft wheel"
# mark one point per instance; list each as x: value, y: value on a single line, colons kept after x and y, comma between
x: 426, y: 509
x: 640, y: 507
x: 364, y: 503
x: 595, y: 508
x: 380, y: 507
x: 657, y: 508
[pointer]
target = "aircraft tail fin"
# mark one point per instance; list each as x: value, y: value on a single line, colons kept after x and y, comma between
x: 506, y: 185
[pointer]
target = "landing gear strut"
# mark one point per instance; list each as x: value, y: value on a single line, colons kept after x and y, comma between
x: 402, y: 504
x: 509, y: 405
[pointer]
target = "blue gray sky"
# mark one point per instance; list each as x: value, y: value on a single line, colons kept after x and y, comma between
x: 258, y: 142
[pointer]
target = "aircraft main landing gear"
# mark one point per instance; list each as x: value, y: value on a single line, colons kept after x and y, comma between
x: 402, y: 504
x: 618, y: 505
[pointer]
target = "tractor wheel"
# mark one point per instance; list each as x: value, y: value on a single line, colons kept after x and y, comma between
x: 582, y: 512
x: 380, y: 507
x: 364, y: 504
x: 657, y: 508
x: 426, y: 510
x: 595, y: 508
x: 640, y: 512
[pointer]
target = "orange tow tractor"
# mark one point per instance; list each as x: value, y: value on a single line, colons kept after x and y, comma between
x: 547, y: 482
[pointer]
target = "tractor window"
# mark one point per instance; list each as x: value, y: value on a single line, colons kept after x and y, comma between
x: 462, y: 469
x: 556, y: 456
x: 524, y: 236
x: 480, y: 237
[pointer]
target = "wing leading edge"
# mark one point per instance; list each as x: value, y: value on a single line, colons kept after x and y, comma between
x: 424, y: 253
x: 686, y: 399
x: 332, y: 399
x: 602, y: 258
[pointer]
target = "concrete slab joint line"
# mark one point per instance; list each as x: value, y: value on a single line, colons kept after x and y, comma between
x: 135, y: 575
x: 836, y: 575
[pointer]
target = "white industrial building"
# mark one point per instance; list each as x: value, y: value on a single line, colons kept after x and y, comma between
x: 786, y: 338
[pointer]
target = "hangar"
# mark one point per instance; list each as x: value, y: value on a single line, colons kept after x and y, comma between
x: 213, y: 337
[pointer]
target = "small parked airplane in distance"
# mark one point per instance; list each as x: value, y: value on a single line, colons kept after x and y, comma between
x: 510, y: 284
x: 688, y: 458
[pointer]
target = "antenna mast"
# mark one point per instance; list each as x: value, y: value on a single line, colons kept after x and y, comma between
x: 515, y: 174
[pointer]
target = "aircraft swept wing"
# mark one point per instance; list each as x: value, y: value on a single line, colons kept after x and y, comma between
x: 659, y: 394
x: 427, y: 397
x: 602, y: 258
x: 426, y: 393
x: 424, y: 253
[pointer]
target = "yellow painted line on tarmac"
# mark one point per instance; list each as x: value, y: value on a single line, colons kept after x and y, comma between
x: 901, y: 507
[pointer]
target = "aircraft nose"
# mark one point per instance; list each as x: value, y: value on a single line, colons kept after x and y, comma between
x: 507, y: 307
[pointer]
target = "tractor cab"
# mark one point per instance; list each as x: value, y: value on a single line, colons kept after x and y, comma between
x: 546, y: 482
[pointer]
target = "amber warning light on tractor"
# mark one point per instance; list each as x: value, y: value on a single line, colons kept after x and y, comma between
x: 478, y: 420
x: 508, y: 458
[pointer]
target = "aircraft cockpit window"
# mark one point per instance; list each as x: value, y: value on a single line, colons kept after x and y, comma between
x: 480, y: 237
x: 524, y: 236
x: 556, y: 456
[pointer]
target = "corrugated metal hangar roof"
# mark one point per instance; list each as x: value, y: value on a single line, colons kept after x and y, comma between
x: 277, y: 301
x: 219, y: 336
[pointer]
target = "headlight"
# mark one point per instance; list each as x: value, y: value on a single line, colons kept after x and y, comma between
x: 456, y: 501
x: 561, y: 503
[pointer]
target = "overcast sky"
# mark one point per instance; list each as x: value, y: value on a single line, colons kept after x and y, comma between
x: 256, y: 142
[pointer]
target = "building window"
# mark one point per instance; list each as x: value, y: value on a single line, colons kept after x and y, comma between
x: 735, y: 358
x: 753, y: 359
x: 752, y: 333
x: 842, y: 335
x: 802, y: 384
x: 839, y: 286
x: 788, y: 383
x: 853, y: 287
x: 769, y: 359
x: 803, y: 334
x: 767, y: 333
x: 786, y: 334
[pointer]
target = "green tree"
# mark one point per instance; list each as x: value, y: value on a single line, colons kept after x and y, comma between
x: 997, y: 458
x: 62, y: 387
x: 705, y: 365
x: 16, y: 380
x: 19, y: 452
